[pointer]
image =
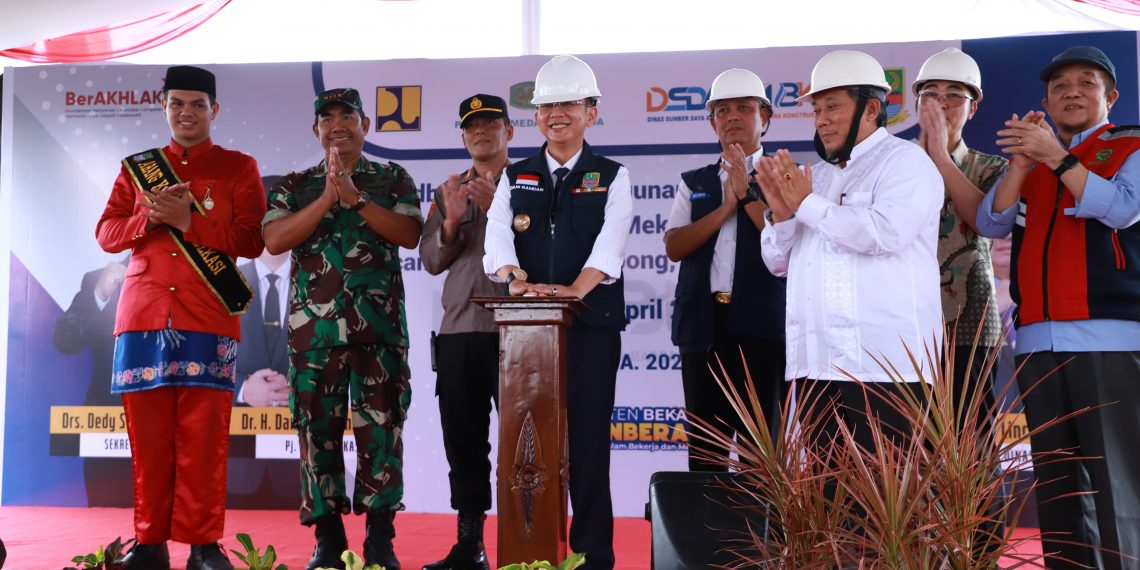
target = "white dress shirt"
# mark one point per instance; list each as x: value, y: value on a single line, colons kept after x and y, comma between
x: 861, y: 260
x: 723, y: 267
x: 608, y: 253
x: 282, y: 285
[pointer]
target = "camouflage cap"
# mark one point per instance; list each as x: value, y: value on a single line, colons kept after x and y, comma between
x: 344, y: 95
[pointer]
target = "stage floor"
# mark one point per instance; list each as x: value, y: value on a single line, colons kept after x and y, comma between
x: 46, y: 538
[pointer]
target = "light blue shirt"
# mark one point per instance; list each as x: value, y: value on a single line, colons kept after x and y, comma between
x: 1113, y: 202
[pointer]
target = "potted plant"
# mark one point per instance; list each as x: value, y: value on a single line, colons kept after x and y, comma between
x: 932, y: 499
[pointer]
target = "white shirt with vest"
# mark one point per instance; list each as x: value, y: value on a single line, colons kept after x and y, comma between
x: 608, y: 253
x: 861, y: 259
x: 723, y: 267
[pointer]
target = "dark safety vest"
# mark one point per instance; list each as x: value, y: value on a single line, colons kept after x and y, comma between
x: 555, y: 231
x: 758, y: 297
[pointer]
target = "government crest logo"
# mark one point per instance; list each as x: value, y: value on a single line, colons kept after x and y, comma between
x: 896, y: 99
x: 398, y: 108
x: 521, y: 94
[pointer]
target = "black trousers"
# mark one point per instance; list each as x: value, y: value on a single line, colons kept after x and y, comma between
x: 1106, y: 438
x: 593, y: 357
x: 705, y: 399
x: 970, y: 376
x: 852, y: 402
x: 467, y: 382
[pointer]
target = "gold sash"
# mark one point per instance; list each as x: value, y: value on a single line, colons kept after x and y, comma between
x: 151, y: 171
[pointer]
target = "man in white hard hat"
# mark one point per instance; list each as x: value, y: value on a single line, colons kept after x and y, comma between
x: 948, y: 89
x: 856, y: 236
x: 726, y: 300
x: 558, y: 226
x: 1070, y: 200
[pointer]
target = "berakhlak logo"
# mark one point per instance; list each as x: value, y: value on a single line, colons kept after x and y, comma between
x: 521, y: 94
x: 398, y: 108
x: 896, y: 99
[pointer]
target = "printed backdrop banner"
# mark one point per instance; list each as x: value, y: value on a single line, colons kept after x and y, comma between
x: 66, y: 127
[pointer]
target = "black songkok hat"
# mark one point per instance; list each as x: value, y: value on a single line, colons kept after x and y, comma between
x: 191, y: 78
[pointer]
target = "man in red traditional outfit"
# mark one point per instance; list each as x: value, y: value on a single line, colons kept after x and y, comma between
x: 185, y: 211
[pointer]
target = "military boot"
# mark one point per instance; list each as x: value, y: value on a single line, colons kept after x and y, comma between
x: 378, y: 542
x: 331, y: 543
x: 468, y: 552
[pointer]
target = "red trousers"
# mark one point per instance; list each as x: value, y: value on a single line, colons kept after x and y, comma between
x: 179, y: 444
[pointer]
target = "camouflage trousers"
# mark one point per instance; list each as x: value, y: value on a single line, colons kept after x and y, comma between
x: 375, y: 381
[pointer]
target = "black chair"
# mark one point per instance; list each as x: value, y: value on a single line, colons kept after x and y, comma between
x: 694, y: 522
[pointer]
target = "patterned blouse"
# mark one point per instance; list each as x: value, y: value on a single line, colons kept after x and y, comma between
x: 967, y: 278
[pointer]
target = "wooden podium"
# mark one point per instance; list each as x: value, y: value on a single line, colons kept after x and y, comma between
x: 532, y: 473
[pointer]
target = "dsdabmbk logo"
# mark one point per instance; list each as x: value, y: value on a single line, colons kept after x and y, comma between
x: 659, y: 99
x: 784, y: 94
x: 398, y: 108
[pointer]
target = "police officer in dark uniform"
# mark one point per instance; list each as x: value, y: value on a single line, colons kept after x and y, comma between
x: 558, y: 226
x: 467, y: 347
x: 726, y: 300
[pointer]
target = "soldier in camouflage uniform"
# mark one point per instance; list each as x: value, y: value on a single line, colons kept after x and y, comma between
x: 344, y: 220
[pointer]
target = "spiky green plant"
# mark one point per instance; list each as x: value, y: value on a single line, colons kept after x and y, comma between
x: 353, y: 561
x: 572, y: 561
x: 253, y: 558
x: 103, y: 558
x: 932, y: 499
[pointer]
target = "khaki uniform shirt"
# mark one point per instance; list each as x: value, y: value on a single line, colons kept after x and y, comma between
x: 967, y: 279
x: 463, y: 259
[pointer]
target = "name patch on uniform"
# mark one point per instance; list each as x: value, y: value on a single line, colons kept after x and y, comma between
x: 698, y: 196
x: 589, y: 190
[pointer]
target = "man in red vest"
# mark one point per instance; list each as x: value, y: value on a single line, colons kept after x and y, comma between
x: 1070, y: 200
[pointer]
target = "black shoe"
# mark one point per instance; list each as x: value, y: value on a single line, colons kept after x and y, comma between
x: 147, y: 557
x: 378, y: 542
x: 207, y: 557
x: 331, y: 543
x: 463, y: 556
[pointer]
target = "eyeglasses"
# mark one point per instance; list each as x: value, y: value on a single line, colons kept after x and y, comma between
x: 952, y: 99
x: 561, y: 105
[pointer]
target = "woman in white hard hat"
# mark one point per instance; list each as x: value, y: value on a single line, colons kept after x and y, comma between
x: 856, y: 236
x: 558, y: 226
x: 948, y: 89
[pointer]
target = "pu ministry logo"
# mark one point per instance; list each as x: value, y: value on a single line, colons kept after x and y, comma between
x: 399, y: 108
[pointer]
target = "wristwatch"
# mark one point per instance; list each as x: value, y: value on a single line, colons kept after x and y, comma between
x: 753, y: 194
x: 516, y: 274
x: 362, y: 198
x: 1067, y: 163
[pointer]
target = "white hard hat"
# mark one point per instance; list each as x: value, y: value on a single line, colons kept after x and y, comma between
x: 737, y: 83
x: 564, y: 78
x: 950, y: 64
x: 844, y: 68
